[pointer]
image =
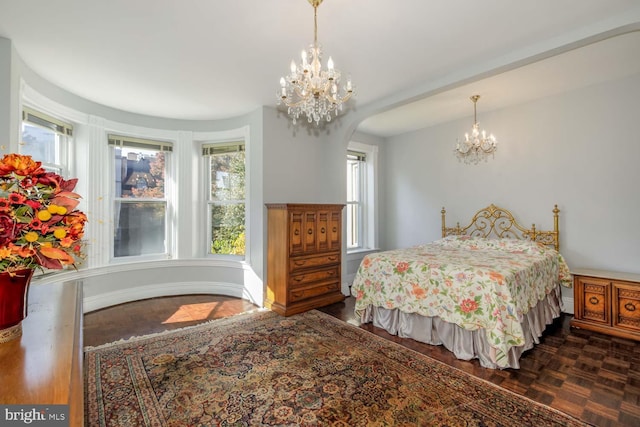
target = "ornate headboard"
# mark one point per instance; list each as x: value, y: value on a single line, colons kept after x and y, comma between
x: 499, y: 222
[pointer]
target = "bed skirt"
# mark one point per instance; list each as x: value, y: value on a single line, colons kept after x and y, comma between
x: 465, y: 344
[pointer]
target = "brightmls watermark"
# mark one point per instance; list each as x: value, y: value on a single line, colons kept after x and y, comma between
x: 37, y: 415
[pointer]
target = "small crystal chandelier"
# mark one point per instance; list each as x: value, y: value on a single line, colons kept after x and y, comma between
x: 476, y: 146
x: 309, y: 89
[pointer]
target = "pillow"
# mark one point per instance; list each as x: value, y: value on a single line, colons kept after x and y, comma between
x: 483, y: 243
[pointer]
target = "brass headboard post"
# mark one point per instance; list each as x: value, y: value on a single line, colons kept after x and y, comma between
x: 453, y: 230
x: 556, y: 212
x: 533, y: 234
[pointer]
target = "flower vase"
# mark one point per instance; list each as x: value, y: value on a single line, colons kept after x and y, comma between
x: 14, y: 289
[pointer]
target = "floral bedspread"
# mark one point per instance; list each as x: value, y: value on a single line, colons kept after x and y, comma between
x: 470, y: 281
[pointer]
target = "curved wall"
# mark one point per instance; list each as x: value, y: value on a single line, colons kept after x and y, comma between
x: 106, y: 282
x: 113, y: 285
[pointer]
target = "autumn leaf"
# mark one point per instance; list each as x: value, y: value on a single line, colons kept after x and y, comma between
x: 57, y: 254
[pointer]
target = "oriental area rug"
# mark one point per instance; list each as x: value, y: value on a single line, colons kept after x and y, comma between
x: 261, y: 369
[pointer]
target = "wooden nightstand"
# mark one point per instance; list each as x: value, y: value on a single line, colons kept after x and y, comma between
x: 607, y: 302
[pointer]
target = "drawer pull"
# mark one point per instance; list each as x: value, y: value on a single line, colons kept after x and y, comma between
x: 332, y: 258
x: 296, y: 233
x: 594, y: 300
x: 299, y: 263
x: 335, y: 229
x: 322, y: 230
x: 298, y: 278
x: 310, y: 232
x: 630, y: 306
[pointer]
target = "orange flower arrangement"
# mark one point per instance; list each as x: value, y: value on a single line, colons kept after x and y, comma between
x: 40, y: 226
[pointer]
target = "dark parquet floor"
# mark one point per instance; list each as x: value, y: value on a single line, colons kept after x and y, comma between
x: 592, y: 376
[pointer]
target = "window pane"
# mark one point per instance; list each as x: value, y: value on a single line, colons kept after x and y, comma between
x: 227, y: 198
x: 353, y: 180
x: 40, y: 143
x: 227, y: 229
x: 353, y: 225
x: 140, y: 173
x: 354, y: 202
x: 140, y: 228
x: 227, y: 176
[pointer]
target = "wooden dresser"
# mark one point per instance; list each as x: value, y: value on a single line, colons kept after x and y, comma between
x: 607, y: 302
x: 44, y: 366
x: 304, y: 248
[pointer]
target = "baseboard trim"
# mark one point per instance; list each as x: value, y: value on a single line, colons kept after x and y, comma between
x: 568, y: 305
x: 109, y: 299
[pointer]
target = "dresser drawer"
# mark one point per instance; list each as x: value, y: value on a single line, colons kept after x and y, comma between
x: 305, y: 292
x: 626, y: 300
x: 310, y: 276
x: 299, y: 263
x: 595, y: 300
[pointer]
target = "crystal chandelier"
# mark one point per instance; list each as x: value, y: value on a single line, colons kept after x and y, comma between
x: 309, y: 89
x: 476, y: 146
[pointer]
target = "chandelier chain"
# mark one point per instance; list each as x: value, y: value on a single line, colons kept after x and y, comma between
x: 315, y: 24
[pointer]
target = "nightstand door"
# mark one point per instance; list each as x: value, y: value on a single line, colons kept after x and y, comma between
x: 626, y: 306
x: 594, y: 296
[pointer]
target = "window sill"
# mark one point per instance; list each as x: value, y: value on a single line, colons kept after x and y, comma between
x: 360, y: 252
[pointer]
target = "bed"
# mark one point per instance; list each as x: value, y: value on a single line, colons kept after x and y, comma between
x: 487, y: 290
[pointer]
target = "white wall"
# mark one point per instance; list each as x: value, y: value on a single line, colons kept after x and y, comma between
x: 9, y: 92
x: 579, y: 150
x: 302, y: 165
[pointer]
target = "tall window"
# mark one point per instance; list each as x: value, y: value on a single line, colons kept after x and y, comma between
x: 226, y: 197
x: 356, y: 162
x: 46, y: 139
x: 140, y: 196
x: 362, y: 164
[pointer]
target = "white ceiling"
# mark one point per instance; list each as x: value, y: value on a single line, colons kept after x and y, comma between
x: 609, y: 59
x: 215, y: 59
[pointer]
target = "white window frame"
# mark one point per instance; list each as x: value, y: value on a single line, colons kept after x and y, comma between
x: 368, y: 230
x: 115, y: 140
x: 357, y: 180
x: 206, y: 194
x: 63, y: 131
